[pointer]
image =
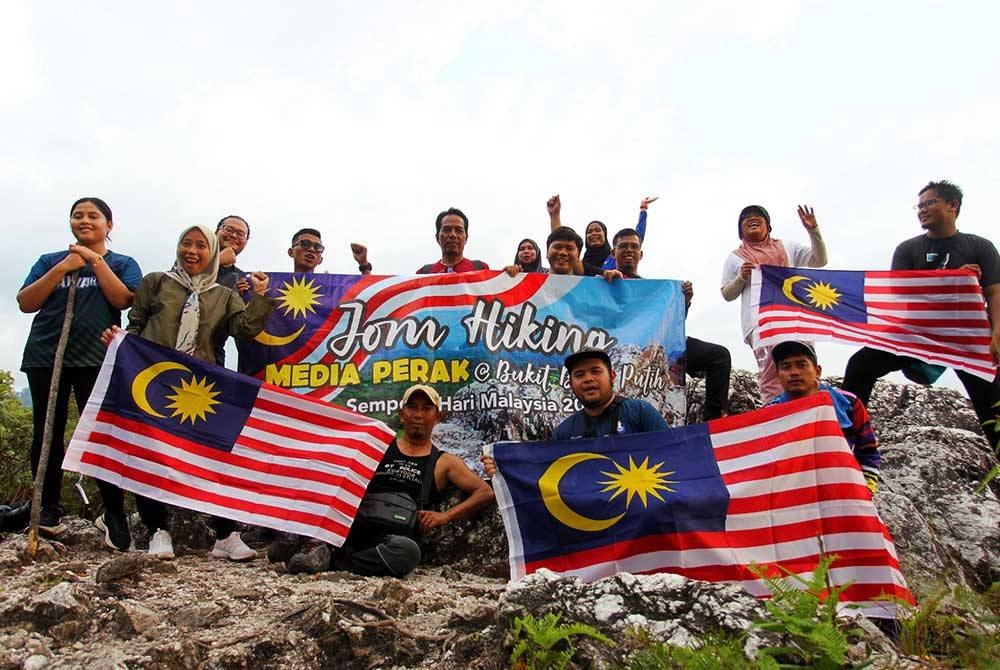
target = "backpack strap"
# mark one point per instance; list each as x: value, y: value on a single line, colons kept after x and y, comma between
x: 425, y: 487
x: 478, y: 265
x: 425, y: 270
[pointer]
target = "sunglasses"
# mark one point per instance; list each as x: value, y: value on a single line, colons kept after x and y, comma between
x: 309, y: 245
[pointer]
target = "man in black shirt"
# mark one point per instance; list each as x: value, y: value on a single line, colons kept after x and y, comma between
x: 942, y: 247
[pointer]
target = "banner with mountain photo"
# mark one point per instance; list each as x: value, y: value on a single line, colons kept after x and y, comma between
x: 491, y: 344
x: 936, y: 316
x: 776, y: 488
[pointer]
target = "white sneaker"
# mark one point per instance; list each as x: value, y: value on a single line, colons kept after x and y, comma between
x: 233, y: 548
x: 161, y: 546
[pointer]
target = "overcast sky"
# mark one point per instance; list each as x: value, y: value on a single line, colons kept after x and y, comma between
x: 365, y: 120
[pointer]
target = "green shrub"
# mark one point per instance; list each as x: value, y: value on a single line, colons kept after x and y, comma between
x: 545, y: 644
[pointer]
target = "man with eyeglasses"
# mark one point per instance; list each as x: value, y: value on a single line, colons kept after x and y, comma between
x: 707, y: 359
x: 941, y: 247
x: 306, y: 251
x: 452, y: 232
x: 233, y: 233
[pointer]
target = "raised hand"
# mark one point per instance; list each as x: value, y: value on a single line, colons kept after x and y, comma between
x: 554, y: 205
x: 360, y: 253
x: 807, y: 217
x: 647, y: 201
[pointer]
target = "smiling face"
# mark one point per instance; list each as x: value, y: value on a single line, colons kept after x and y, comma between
x: 233, y: 234
x: 563, y: 255
x: 452, y: 236
x: 628, y: 253
x: 306, y: 252
x: 526, y: 253
x: 194, y: 252
x: 595, y: 235
x: 88, y: 224
x: 419, y: 416
x: 799, y: 376
x: 754, y: 227
x: 592, y: 382
x: 935, y: 213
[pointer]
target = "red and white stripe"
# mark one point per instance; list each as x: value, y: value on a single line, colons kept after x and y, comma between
x: 935, y: 316
x: 796, y: 492
x: 298, y: 465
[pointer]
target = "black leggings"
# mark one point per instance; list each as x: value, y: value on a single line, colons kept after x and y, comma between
x: 81, y: 382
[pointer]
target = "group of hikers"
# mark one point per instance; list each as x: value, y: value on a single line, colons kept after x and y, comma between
x: 205, y: 298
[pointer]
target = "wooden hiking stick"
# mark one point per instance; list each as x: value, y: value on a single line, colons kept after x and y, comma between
x: 50, y: 417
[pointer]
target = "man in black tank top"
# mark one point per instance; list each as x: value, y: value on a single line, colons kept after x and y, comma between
x: 414, y: 466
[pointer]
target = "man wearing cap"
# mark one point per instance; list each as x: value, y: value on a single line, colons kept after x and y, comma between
x: 757, y: 247
x: 799, y: 373
x: 368, y: 549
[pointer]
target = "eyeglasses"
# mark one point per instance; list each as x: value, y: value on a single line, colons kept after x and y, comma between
x: 235, y: 232
x: 628, y: 246
x: 309, y: 245
x: 920, y: 206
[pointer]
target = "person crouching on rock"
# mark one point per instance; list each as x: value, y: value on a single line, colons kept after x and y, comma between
x: 185, y: 308
x: 384, y: 538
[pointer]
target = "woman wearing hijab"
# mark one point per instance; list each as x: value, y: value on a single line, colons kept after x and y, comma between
x: 529, y: 257
x: 757, y: 247
x: 184, y: 309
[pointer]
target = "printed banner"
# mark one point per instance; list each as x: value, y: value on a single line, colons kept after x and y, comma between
x: 173, y: 428
x: 492, y: 345
x: 774, y: 487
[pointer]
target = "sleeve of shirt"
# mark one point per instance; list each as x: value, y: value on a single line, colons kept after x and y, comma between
x: 640, y: 227
x: 650, y: 420
x: 129, y: 273
x: 865, y: 442
x: 989, y: 264
x: 732, y: 283
x: 38, y: 270
x: 902, y: 258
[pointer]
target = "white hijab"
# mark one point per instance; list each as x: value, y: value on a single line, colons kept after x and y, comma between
x: 187, y: 333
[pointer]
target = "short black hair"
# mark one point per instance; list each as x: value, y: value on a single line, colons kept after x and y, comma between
x: 218, y: 226
x: 305, y: 231
x: 565, y: 234
x: 948, y: 191
x: 626, y: 232
x: 96, y: 202
x: 451, y: 211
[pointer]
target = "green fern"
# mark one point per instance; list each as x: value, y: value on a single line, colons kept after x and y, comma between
x: 536, y: 642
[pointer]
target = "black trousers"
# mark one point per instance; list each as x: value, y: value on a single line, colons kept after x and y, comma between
x: 714, y: 362
x: 395, y: 556
x: 79, y: 381
x: 154, y: 513
x: 867, y: 365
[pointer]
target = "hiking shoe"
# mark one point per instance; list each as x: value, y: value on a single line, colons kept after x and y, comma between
x: 284, y: 547
x: 312, y: 559
x: 161, y: 546
x: 50, y: 522
x: 233, y: 548
x: 115, y: 527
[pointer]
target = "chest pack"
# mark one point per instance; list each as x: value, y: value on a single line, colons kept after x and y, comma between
x: 396, y: 512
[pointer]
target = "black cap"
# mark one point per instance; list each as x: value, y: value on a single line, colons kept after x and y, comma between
x: 783, y: 350
x: 746, y: 210
x: 587, y: 352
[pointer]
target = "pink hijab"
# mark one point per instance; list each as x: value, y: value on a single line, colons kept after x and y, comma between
x: 768, y: 252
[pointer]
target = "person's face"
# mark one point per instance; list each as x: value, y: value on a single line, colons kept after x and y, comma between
x: 233, y: 234
x: 526, y: 253
x: 592, y: 382
x: 452, y: 236
x: 595, y: 235
x: 933, y: 211
x: 306, y: 252
x: 88, y: 225
x: 194, y: 252
x: 562, y: 255
x: 628, y: 253
x: 419, y: 416
x: 799, y: 376
x: 754, y: 227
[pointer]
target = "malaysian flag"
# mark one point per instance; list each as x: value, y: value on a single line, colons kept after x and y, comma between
x: 937, y: 316
x: 173, y: 428
x: 775, y: 487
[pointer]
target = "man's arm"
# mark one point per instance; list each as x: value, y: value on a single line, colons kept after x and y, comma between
x: 555, y: 207
x: 360, y: 253
x: 458, y: 473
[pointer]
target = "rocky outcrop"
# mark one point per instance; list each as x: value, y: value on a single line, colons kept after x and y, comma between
x: 81, y: 606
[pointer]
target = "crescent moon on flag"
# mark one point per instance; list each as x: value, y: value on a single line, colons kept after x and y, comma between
x: 270, y: 340
x: 789, y: 284
x: 144, y: 378
x: 548, y: 485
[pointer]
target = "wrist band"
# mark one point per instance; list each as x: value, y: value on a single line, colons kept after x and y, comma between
x: 97, y: 261
x: 366, y: 266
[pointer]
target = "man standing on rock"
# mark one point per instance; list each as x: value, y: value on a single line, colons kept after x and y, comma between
x: 942, y: 247
x: 798, y: 374
x: 412, y: 470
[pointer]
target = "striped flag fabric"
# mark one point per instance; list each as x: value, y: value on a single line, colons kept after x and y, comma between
x: 936, y: 316
x: 775, y: 487
x: 173, y: 428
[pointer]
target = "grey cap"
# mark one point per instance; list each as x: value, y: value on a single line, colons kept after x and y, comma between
x: 783, y: 350
x: 587, y: 352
